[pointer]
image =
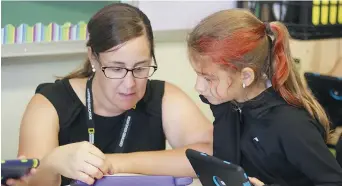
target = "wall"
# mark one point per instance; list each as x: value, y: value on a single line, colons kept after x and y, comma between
x: 18, y: 12
x: 321, y: 56
x: 20, y: 76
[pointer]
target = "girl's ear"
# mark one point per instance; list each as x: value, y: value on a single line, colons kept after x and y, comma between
x: 247, y: 76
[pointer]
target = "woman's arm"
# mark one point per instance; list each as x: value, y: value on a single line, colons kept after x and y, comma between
x: 38, y: 137
x: 185, y: 126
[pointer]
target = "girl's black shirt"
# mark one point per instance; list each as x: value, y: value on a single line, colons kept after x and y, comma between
x: 274, y: 142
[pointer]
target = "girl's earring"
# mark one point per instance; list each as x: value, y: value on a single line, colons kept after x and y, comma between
x: 93, y: 68
x: 243, y: 85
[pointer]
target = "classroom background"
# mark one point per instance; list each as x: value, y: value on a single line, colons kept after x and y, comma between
x: 45, y: 39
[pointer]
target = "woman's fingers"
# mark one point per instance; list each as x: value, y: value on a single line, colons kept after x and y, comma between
x: 10, y: 182
x: 107, y: 168
x: 32, y: 171
x: 83, y: 177
x: 97, y: 152
x: 111, y: 168
x: 92, y: 171
x: 21, y: 157
x: 103, y: 165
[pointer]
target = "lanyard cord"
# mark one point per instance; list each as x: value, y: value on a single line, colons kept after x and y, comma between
x: 91, y: 124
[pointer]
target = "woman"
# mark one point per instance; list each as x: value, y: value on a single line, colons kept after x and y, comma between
x: 265, y: 118
x: 108, y: 117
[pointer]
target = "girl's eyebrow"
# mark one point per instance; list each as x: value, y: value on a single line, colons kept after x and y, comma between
x: 205, y: 74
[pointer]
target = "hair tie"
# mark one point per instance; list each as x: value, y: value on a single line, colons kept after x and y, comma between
x: 268, y: 29
x: 268, y: 66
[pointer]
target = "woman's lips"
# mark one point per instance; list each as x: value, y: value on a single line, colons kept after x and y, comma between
x: 127, y: 95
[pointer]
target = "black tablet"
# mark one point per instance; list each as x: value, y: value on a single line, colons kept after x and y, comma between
x: 212, y: 171
x: 328, y: 92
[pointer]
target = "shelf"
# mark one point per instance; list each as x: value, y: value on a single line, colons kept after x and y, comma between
x: 43, y: 49
x: 74, y: 47
x: 167, y: 26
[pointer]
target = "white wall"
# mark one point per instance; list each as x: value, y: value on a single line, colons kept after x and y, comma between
x: 20, y: 77
x: 189, y: 13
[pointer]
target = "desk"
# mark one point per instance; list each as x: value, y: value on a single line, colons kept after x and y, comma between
x: 195, y: 182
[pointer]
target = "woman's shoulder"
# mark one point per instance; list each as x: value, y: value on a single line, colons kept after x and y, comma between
x: 175, y: 98
x: 63, y: 94
x: 152, y: 100
x: 61, y: 89
x: 160, y: 94
x: 154, y: 90
x: 165, y: 89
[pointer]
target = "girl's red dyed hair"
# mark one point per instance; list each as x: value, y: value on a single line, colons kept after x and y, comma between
x: 236, y: 38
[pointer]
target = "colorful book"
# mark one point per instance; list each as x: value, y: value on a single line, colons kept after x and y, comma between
x: 29, y: 34
x: 10, y: 34
x: 48, y: 33
x: 2, y: 35
x: 43, y: 33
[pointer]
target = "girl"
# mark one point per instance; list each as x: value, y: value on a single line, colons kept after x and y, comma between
x: 266, y: 120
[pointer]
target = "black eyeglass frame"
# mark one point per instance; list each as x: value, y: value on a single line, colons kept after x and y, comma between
x: 103, y: 68
x: 155, y: 68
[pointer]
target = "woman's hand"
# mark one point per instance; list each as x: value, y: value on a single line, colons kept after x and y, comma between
x: 80, y: 161
x: 255, y: 181
x: 23, y: 180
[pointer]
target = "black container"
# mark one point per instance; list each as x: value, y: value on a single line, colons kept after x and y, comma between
x: 305, y: 20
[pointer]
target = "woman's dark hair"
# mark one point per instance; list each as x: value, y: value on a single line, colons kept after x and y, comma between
x: 111, y: 26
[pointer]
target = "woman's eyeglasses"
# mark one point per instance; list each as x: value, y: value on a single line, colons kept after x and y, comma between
x: 121, y: 72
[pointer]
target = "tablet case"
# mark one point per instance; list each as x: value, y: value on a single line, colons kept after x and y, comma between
x: 212, y: 171
x: 139, y: 181
x: 16, y: 168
